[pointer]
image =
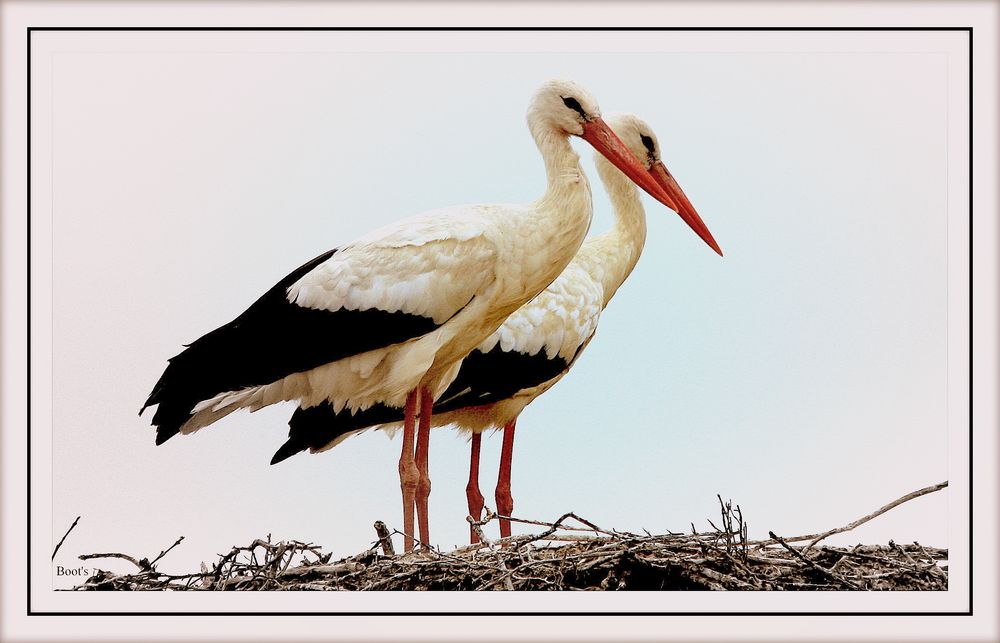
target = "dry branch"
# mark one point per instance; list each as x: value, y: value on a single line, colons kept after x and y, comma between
x: 384, y: 538
x: 822, y: 570
x: 63, y: 539
x: 878, y: 512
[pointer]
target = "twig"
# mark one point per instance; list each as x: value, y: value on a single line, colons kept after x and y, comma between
x: 64, y: 537
x: 826, y: 572
x: 877, y: 513
x: 589, y: 526
x: 165, y: 551
x: 333, y: 570
x: 479, y: 531
x: 384, y: 538
x: 116, y: 555
x: 568, y: 538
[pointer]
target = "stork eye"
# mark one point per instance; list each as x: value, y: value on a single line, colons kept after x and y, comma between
x: 647, y: 141
x: 574, y: 104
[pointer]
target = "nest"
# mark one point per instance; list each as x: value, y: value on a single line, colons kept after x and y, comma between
x: 570, y: 553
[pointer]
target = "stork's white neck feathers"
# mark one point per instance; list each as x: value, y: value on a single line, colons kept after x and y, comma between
x: 554, y: 227
x: 551, y: 123
x: 611, y: 256
x: 562, y: 165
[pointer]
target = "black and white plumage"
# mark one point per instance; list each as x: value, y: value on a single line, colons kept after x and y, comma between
x: 536, y: 346
x: 331, y: 330
x: 320, y: 336
x: 527, y: 355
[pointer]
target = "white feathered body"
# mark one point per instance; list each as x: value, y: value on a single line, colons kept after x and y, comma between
x: 561, y: 321
x: 466, y: 267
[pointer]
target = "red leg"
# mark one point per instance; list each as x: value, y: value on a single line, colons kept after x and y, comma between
x: 472, y: 489
x: 408, y: 474
x: 505, y: 503
x: 424, y: 481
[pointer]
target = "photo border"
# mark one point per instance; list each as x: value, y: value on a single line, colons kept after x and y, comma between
x: 968, y: 612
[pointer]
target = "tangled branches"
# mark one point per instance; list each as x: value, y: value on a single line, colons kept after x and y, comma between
x: 570, y: 553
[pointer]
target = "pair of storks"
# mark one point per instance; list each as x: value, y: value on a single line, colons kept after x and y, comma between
x: 461, y: 316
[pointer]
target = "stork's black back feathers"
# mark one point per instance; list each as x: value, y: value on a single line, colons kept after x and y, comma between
x: 483, y: 379
x: 272, y: 339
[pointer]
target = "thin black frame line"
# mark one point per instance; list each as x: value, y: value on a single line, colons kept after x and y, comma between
x: 969, y: 31
x: 503, y: 28
x: 971, y: 166
x: 28, y: 372
x: 659, y: 614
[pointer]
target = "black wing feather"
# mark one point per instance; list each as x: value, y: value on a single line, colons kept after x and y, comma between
x: 484, y: 378
x: 270, y: 340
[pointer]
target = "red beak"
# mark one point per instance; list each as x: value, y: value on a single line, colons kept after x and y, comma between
x: 598, y: 134
x: 667, y: 182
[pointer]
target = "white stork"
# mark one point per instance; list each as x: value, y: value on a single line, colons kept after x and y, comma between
x: 386, y: 320
x: 536, y: 346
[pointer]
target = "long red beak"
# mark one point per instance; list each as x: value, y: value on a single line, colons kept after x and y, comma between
x: 667, y: 182
x: 598, y: 134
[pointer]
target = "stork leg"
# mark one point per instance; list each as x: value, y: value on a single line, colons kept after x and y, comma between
x: 472, y: 491
x: 408, y: 474
x: 424, y: 479
x: 505, y: 502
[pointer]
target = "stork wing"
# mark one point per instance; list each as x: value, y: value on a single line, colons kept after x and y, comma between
x: 370, y: 294
x: 537, y: 343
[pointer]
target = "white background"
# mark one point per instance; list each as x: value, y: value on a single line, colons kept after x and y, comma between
x: 802, y: 375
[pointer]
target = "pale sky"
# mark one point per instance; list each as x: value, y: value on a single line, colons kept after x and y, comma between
x: 803, y: 376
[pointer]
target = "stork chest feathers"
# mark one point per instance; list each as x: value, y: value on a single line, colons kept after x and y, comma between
x: 557, y: 322
x: 544, y: 244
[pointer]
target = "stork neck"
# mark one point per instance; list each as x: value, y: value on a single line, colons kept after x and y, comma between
x: 611, y: 256
x: 551, y: 230
x: 562, y: 164
x: 562, y: 215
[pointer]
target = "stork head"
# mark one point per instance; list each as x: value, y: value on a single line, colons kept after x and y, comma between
x: 561, y: 108
x: 640, y: 139
x: 638, y: 136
